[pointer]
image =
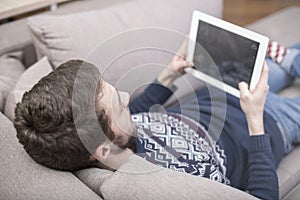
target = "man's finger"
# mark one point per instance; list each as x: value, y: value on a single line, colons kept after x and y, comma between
x: 244, y: 89
x: 183, y: 48
x: 184, y: 63
x: 263, y: 82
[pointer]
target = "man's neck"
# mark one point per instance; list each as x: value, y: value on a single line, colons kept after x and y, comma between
x: 115, y: 160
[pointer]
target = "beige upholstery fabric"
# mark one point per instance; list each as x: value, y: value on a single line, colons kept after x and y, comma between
x: 26, y: 81
x: 64, y: 37
x: 94, y: 178
x: 282, y: 26
x: 142, y: 180
x: 22, y: 178
x: 16, y: 35
x: 12, y: 40
x: 75, y: 36
x: 11, y: 68
x: 289, y: 173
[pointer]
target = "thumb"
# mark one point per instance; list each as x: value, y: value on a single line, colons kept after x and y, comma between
x: 183, y: 63
x: 244, y: 89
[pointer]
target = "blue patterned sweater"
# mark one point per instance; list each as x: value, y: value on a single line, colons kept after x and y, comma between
x: 244, y: 162
x: 179, y: 143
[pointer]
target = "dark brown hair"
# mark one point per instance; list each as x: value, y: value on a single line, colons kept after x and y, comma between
x: 55, y: 125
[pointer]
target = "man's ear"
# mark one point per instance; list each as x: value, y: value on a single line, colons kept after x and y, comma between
x: 102, y: 152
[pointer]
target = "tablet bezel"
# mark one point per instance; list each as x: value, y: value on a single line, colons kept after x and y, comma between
x: 259, y: 61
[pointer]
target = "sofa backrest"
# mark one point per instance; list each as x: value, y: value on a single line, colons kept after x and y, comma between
x: 129, y: 42
x: 15, y: 35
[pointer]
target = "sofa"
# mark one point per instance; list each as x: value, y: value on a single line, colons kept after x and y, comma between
x: 125, y: 37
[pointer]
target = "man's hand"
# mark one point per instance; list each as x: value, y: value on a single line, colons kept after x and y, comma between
x: 253, y: 102
x: 176, y: 67
x: 179, y: 61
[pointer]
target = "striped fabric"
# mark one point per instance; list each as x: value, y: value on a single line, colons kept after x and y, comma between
x: 276, y: 52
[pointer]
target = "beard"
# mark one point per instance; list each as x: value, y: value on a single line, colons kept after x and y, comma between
x: 124, y: 142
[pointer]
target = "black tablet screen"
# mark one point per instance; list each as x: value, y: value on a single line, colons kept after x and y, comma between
x: 230, y: 58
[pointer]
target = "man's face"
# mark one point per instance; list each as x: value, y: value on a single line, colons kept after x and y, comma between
x: 116, y: 105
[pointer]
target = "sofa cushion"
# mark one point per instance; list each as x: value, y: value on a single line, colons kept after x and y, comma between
x: 95, y: 35
x: 289, y: 174
x: 94, y: 178
x: 26, y: 81
x: 23, y: 178
x: 63, y: 37
x: 11, y: 68
x: 277, y: 26
x: 139, y: 179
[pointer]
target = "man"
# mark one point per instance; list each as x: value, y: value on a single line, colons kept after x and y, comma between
x: 56, y: 124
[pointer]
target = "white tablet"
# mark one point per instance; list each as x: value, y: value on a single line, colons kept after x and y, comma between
x: 225, y: 54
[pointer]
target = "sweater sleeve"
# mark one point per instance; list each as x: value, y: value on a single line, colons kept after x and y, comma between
x: 263, y: 181
x: 154, y: 94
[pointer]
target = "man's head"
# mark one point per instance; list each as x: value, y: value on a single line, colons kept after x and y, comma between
x: 57, y: 124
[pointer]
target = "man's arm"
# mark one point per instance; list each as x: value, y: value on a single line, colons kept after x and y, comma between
x: 263, y: 181
x: 158, y: 92
x: 154, y: 94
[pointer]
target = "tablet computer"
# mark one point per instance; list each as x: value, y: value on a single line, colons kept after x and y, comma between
x: 225, y: 54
